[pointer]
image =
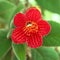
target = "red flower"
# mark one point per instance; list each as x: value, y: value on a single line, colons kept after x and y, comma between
x: 30, y: 28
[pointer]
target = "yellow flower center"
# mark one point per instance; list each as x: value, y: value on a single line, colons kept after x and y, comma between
x: 31, y: 27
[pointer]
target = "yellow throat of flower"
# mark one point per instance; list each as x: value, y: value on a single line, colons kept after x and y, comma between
x: 31, y: 27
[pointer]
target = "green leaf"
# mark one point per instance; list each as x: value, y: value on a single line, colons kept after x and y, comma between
x: 6, y: 10
x: 53, y: 38
x: 14, y: 1
x: 44, y: 53
x: 15, y: 58
x: 20, y: 6
x: 2, y: 23
x: 51, y: 5
x: 7, y: 56
x: 20, y: 51
x: 4, y: 43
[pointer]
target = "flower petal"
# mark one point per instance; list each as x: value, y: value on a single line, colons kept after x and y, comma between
x: 33, y: 14
x: 18, y: 36
x: 20, y: 20
x: 34, y: 41
x: 44, y: 27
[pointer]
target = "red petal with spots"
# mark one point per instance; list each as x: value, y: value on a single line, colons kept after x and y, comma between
x: 44, y: 27
x: 18, y: 36
x: 20, y: 20
x: 34, y: 41
x: 33, y: 14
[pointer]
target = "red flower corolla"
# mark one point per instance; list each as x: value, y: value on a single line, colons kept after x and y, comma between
x: 30, y: 28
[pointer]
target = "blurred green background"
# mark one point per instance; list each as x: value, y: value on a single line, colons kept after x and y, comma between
x: 50, y: 50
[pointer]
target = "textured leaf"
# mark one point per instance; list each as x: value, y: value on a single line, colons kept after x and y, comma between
x: 4, y: 43
x: 14, y: 1
x: 53, y: 38
x: 20, y: 6
x: 7, y: 56
x: 44, y: 53
x: 51, y: 5
x: 2, y: 23
x: 19, y: 51
x: 6, y: 10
